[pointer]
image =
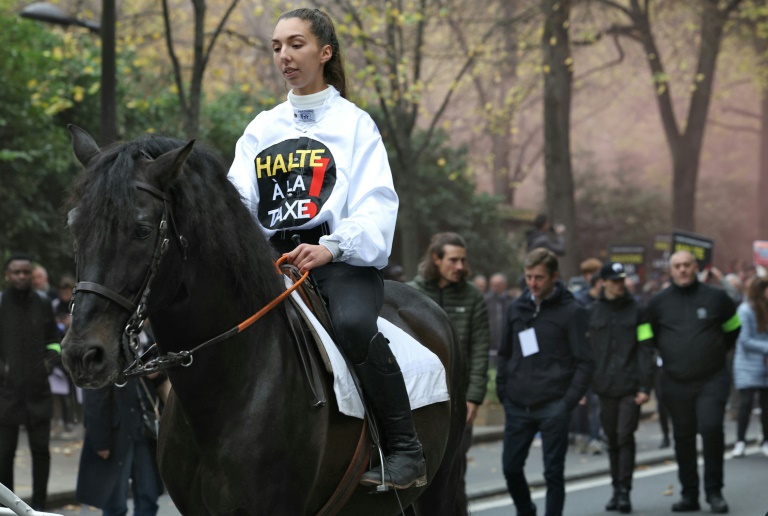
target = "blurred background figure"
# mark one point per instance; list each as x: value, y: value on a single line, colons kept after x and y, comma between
x: 40, y: 282
x: 497, y: 301
x: 28, y: 349
x: 481, y: 282
x: 545, y: 235
x: 750, y: 363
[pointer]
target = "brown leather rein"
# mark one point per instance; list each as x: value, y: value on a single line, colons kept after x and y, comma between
x: 185, y: 358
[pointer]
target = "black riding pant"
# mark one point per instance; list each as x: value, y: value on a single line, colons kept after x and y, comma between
x: 354, y: 296
x: 698, y: 406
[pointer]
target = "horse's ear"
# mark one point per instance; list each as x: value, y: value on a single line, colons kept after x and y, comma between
x: 83, y: 144
x: 165, y: 169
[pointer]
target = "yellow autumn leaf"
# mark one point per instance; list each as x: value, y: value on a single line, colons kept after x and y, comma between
x: 441, y: 162
x: 79, y: 93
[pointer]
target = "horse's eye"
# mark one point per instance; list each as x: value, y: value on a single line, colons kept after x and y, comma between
x: 143, y: 232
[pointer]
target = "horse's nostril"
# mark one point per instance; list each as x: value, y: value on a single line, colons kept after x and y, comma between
x: 92, y: 357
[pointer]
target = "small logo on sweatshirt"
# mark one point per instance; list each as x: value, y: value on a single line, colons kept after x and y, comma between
x: 307, y: 115
x: 701, y: 313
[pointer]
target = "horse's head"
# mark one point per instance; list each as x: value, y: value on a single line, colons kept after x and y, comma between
x: 122, y: 226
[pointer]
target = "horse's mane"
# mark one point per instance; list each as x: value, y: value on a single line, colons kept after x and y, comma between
x: 207, y: 208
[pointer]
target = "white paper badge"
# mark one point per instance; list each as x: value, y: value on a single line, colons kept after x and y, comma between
x: 528, y: 342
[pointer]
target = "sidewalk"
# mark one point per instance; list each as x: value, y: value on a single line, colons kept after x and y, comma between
x: 484, y: 476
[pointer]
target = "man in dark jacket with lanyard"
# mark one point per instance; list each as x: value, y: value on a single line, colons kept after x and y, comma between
x: 544, y: 368
x: 693, y: 326
x: 623, y: 376
x: 443, y: 279
x: 28, y: 350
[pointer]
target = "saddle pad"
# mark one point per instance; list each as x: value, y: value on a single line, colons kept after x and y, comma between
x: 423, y: 372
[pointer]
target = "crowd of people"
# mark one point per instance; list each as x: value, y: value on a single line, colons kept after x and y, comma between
x: 36, y: 394
x: 576, y: 360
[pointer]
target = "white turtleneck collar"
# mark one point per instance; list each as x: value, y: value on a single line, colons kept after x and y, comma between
x: 312, y: 101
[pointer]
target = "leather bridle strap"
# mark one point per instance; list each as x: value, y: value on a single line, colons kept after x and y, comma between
x: 89, y: 286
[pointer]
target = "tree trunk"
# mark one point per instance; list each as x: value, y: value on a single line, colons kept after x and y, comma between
x: 558, y: 86
x: 762, y: 182
x: 408, y: 237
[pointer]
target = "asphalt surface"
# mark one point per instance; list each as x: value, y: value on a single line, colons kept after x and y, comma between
x: 484, y: 477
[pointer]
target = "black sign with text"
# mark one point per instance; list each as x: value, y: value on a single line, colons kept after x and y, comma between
x: 699, y: 246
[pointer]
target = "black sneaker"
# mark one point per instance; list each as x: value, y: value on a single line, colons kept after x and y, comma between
x: 717, y: 503
x: 686, y: 504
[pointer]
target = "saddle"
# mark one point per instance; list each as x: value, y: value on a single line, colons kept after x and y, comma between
x: 305, y: 335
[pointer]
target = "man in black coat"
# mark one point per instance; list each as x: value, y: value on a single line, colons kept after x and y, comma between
x: 544, y: 368
x: 623, y: 376
x: 694, y: 326
x: 28, y: 349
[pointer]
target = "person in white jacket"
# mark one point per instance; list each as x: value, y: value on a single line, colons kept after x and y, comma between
x: 315, y: 166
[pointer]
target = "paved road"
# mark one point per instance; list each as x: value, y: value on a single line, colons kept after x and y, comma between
x: 655, y: 490
x: 484, y: 477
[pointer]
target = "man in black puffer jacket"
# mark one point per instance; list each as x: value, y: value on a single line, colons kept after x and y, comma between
x: 623, y: 376
x: 544, y: 368
x: 694, y: 326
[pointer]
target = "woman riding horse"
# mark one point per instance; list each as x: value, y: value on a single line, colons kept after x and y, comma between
x: 315, y: 166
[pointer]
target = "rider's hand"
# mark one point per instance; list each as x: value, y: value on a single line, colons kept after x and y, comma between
x: 104, y: 454
x: 307, y: 257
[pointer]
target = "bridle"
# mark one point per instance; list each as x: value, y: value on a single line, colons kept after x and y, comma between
x: 137, y: 307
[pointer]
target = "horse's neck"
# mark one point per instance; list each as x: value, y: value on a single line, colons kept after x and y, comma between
x: 222, y: 375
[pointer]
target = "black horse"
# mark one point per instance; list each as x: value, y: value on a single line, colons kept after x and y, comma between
x: 159, y: 231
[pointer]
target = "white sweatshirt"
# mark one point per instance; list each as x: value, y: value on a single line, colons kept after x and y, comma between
x: 297, y: 168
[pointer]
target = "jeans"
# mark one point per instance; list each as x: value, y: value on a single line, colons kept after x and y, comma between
x: 620, y: 417
x: 38, y: 434
x: 520, y: 426
x: 698, y: 406
x: 139, y: 468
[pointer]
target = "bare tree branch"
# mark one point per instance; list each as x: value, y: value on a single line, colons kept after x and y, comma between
x: 615, y: 5
x: 217, y: 32
x: 742, y: 112
x: 174, y: 60
x: 609, y: 64
x: 735, y: 128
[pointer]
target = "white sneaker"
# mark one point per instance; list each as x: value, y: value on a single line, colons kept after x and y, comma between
x: 738, y: 448
x: 764, y: 448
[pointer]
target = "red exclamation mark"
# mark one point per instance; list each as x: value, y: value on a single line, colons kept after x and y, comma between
x: 318, y: 174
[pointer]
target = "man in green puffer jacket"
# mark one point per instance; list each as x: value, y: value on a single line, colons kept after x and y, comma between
x: 443, y: 278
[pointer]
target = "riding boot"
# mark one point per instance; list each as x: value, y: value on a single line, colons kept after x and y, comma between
x: 623, y: 502
x: 384, y: 389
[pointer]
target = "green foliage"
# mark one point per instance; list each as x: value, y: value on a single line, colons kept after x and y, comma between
x: 35, y: 163
x: 616, y: 208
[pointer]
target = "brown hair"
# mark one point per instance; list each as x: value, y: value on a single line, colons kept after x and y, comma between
x: 590, y: 266
x: 543, y: 257
x: 757, y: 301
x: 437, y: 244
x: 321, y: 26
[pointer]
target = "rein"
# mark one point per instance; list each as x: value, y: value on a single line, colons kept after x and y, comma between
x: 185, y: 358
x: 137, y: 307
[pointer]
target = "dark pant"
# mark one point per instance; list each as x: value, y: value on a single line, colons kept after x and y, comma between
x: 619, y: 417
x: 698, y: 406
x: 139, y: 467
x: 355, y: 296
x: 520, y: 426
x: 38, y: 434
x: 660, y: 407
x: 746, y: 399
